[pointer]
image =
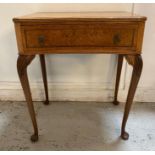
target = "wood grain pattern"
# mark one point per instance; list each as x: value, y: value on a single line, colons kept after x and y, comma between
x: 78, y: 36
x: 92, y: 32
x: 102, y: 32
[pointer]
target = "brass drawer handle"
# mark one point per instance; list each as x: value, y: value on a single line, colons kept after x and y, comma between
x: 116, y: 39
x: 41, y: 40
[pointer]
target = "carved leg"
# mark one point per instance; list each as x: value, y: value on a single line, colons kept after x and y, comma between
x: 137, y: 63
x: 43, y: 68
x: 119, y: 68
x: 22, y: 63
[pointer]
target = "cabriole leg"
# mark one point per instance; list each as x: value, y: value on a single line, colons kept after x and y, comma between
x: 119, y: 68
x: 137, y: 63
x: 44, y: 74
x: 22, y: 64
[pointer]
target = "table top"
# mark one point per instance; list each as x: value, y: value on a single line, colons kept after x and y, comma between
x: 83, y: 16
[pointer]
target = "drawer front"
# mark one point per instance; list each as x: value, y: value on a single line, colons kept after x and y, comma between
x: 95, y: 35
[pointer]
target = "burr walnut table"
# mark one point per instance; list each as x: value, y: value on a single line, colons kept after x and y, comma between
x: 118, y: 33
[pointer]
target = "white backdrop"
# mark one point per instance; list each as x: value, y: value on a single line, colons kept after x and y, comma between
x: 73, y: 77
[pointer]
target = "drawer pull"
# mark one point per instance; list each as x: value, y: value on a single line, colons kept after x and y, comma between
x: 116, y: 39
x: 41, y: 40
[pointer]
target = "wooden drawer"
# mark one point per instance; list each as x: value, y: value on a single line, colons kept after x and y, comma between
x: 84, y: 37
x: 101, y: 32
x: 78, y: 36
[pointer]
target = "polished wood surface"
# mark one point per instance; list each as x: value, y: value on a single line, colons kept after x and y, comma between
x: 125, y: 16
x: 118, y: 33
x: 118, y: 76
x: 22, y: 64
x: 136, y: 73
x: 44, y: 74
x: 75, y: 35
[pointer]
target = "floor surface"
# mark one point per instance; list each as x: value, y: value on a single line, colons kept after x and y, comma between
x: 77, y: 126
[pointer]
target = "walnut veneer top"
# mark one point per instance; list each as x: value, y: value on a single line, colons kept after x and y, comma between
x: 101, y: 16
